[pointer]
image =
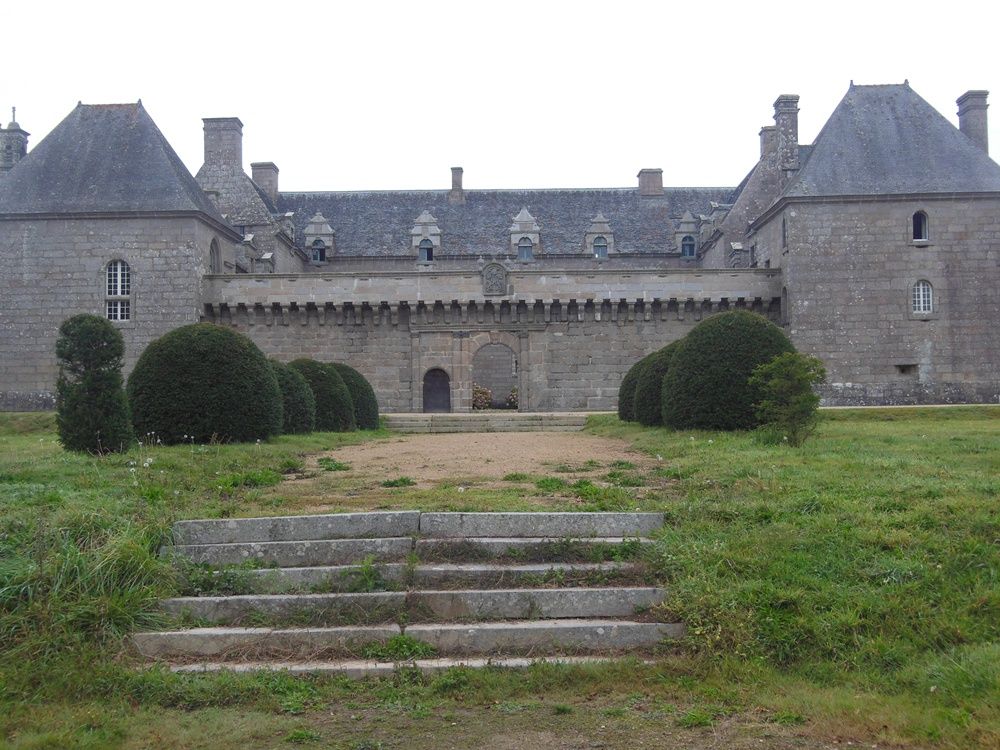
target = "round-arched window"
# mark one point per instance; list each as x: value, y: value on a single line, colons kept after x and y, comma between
x: 426, y: 251
x: 525, y: 249
x: 687, y: 246
x: 600, y: 247
x: 923, y: 297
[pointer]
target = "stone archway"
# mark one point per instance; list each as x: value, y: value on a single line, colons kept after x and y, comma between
x: 437, y: 391
x: 495, y: 367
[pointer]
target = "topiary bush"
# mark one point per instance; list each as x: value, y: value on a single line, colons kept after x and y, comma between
x: 92, y: 413
x: 334, y: 406
x: 363, y: 396
x: 708, y: 385
x: 297, y: 400
x: 649, y: 385
x: 204, y: 382
x: 788, y: 409
x: 626, y: 391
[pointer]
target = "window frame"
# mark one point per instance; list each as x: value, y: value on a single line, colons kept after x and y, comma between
x: 118, y: 291
x: 525, y: 250
x: 923, y: 229
x: 600, y: 241
x: 922, y: 298
x: 688, y: 241
x: 318, y: 245
x: 425, y: 251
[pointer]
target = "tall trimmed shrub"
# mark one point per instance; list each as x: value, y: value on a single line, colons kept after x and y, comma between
x: 363, y: 396
x: 334, y: 406
x: 707, y: 385
x: 788, y: 407
x: 626, y: 391
x: 204, y: 382
x: 91, y: 410
x: 649, y: 385
x: 297, y: 400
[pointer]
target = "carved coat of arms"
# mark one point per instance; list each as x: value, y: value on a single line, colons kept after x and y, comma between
x: 494, y: 279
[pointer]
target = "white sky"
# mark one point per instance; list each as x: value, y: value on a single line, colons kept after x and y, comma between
x: 389, y: 95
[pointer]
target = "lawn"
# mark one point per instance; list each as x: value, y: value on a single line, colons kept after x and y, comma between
x: 846, y: 590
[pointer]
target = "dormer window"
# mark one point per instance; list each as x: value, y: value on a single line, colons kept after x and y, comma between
x: 687, y: 246
x: 426, y: 251
x: 319, y: 251
x: 525, y: 249
x: 601, y: 247
x: 920, y: 228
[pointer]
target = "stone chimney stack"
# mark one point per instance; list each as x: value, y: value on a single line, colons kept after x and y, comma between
x: 265, y: 174
x: 13, y: 144
x: 786, y: 121
x: 650, y: 181
x: 768, y: 140
x: 456, y: 195
x: 224, y: 141
x: 972, y: 117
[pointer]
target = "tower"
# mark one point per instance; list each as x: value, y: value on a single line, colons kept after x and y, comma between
x: 13, y: 144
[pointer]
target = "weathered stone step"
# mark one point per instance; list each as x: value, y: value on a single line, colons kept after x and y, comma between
x: 486, y: 422
x: 360, y: 669
x: 334, y: 578
x: 298, y: 553
x: 562, y: 525
x: 297, y: 528
x: 416, y: 606
x: 531, y: 637
x: 528, y: 549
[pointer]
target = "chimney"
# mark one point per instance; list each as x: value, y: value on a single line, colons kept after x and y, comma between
x: 224, y: 141
x: 786, y: 120
x: 768, y: 139
x: 457, y: 194
x: 650, y: 181
x: 972, y: 117
x: 265, y: 174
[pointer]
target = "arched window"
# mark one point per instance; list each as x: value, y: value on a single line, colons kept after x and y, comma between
x: 923, y: 297
x: 687, y: 246
x: 920, y: 228
x: 600, y: 247
x: 525, y: 249
x: 319, y: 251
x: 214, y: 257
x: 119, y: 290
x: 426, y: 251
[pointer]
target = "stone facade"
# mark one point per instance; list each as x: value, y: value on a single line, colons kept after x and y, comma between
x: 554, y: 292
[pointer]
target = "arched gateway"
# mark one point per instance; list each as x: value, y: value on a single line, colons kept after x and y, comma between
x: 437, y: 391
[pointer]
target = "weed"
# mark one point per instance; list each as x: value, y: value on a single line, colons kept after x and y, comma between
x: 302, y: 736
x: 399, y: 482
x: 364, y: 578
x: 397, y: 648
x: 561, y: 709
x: 291, y: 465
x: 550, y: 484
x: 331, y: 464
x: 516, y: 476
x: 620, y: 465
x: 696, y: 717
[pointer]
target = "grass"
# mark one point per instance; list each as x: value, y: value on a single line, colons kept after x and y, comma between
x: 849, y: 588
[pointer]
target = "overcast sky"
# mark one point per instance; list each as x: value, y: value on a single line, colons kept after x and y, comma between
x: 389, y: 95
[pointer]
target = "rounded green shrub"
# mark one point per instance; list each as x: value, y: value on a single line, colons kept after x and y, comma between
x: 649, y: 385
x: 626, y: 391
x: 92, y: 413
x: 297, y: 400
x: 204, y: 382
x: 363, y: 396
x: 708, y: 385
x: 334, y: 406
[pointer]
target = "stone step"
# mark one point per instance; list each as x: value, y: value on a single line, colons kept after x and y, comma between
x: 297, y: 553
x: 527, y: 549
x: 416, y: 606
x: 561, y: 525
x: 486, y: 422
x: 297, y: 528
x: 334, y: 578
x: 360, y: 669
x: 523, y: 638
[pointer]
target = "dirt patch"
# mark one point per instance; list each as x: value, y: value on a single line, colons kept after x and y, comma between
x: 491, y: 456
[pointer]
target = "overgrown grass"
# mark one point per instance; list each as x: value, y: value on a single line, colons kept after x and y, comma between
x: 852, y: 584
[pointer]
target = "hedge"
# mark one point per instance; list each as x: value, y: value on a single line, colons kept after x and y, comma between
x: 707, y: 385
x: 649, y: 385
x: 363, y: 396
x: 626, y: 391
x: 297, y: 400
x: 334, y: 406
x: 204, y: 382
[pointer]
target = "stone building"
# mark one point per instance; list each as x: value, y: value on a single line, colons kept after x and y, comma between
x: 877, y: 246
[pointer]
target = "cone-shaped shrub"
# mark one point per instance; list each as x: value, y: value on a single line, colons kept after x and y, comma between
x: 91, y: 410
x: 649, y: 385
x: 297, y: 400
x: 708, y: 382
x: 334, y: 407
x: 204, y: 382
x: 363, y: 396
x: 626, y: 391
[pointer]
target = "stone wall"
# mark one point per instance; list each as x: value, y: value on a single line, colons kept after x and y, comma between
x: 849, y: 268
x: 54, y: 269
x: 494, y: 367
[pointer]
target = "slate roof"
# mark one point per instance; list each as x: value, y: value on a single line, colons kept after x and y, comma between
x: 379, y: 223
x: 103, y: 158
x: 883, y: 140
